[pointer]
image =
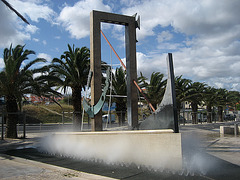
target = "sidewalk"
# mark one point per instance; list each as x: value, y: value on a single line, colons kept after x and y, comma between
x: 12, y: 167
x: 19, y: 168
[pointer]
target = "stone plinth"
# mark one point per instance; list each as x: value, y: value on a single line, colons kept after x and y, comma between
x: 157, y: 149
x: 232, y: 130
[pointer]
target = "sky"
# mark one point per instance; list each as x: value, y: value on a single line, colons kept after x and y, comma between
x: 202, y: 35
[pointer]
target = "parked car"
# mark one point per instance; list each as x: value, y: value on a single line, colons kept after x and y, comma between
x: 105, y: 118
x: 229, y: 117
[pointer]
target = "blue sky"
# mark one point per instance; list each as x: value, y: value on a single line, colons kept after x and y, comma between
x: 203, y: 35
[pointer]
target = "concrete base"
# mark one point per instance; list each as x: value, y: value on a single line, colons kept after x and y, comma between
x: 232, y: 130
x: 156, y: 149
x: 226, y: 130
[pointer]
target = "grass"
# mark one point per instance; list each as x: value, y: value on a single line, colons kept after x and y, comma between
x: 51, y: 113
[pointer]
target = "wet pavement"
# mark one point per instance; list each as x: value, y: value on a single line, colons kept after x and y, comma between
x: 207, y: 156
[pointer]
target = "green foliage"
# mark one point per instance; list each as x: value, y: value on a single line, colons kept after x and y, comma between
x: 120, y: 88
x: 67, y: 100
x: 182, y: 86
x: 72, y: 70
x: 233, y: 98
x: 119, y: 82
x: 18, y: 79
x: 221, y: 97
x: 155, y: 88
x: 238, y: 107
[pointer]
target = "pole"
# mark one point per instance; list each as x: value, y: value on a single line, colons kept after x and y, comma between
x: 62, y: 117
x: 236, y: 129
x: 2, y: 126
x: 24, y: 125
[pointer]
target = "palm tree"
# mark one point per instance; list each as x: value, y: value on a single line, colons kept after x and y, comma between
x: 209, y: 98
x: 221, y: 100
x: 155, y: 88
x: 120, y: 88
x: 195, y: 96
x: 72, y: 71
x: 181, y: 86
x: 233, y: 98
x: 17, y: 80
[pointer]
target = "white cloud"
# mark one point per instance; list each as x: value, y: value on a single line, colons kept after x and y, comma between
x: 57, y: 37
x: 230, y: 83
x: 149, y: 64
x: 13, y: 30
x: 9, y: 33
x: 75, y: 19
x: 45, y: 56
x: 211, y: 29
x: 164, y: 36
x: 35, y: 10
x: 35, y: 39
x: 170, y: 46
x: 31, y: 29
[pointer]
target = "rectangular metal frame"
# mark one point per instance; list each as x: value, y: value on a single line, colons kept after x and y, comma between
x: 96, y: 17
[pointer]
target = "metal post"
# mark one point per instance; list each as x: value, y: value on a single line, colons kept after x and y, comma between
x: 2, y: 126
x: 121, y: 117
x: 173, y: 93
x: 110, y: 118
x: 236, y: 129
x: 72, y: 118
x: 88, y: 120
x: 201, y: 117
x: 18, y: 131
x: 24, y: 125
x: 62, y: 117
x: 184, y: 116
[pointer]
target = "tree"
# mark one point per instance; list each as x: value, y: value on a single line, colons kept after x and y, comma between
x: 221, y: 100
x: 209, y: 98
x: 72, y: 71
x: 195, y: 96
x: 16, y: 80
x: 233, y: 98
x: 155, y: 88
x: 120, y: 88
x: 181, y: 86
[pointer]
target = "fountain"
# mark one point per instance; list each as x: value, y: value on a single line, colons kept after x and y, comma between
x: 160, y: 148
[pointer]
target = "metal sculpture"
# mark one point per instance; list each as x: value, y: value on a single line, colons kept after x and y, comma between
x: 94, y: 109
x: 165, y: 117
x: 96, y: 18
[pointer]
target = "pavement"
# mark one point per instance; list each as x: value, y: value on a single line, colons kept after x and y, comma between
x: 207, y: 156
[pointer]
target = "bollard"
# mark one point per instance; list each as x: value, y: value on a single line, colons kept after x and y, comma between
x: 2, y: 126
x: 40, y: 127
x: 236, y: 129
